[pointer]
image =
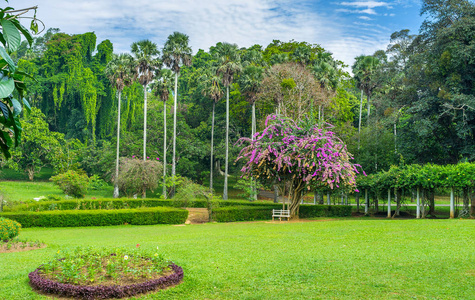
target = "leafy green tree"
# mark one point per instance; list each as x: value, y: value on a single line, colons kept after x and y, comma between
x: 228, y: 64
x: 176, y: 53
x: 39, y: 145
x: 120, y: 73
x: 146, y: 64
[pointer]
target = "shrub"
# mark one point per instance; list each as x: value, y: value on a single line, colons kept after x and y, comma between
x: 264, y: 212
x: 96, y: 183
x: 8, y: 229
x: 77, y: 218
x: 137, y: 175
x: 72, y: 183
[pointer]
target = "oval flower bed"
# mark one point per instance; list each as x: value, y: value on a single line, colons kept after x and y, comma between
x: 97, y: 274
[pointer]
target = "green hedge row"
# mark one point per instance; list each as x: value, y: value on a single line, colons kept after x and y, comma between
x: 122, y: 203
x: 77, y: 218
x: 251, y: 213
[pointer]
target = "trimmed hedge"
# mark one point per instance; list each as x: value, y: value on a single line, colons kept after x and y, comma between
x: 252, y: 213
x: 8, y: 229
x: 123, y: 203
x: 77, y: 218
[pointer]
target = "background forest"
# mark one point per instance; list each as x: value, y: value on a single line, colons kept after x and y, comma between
x: 410, y: 103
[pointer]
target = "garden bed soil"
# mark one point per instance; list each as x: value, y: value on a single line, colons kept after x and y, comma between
x: 197, y: 216
x: 18, y: 248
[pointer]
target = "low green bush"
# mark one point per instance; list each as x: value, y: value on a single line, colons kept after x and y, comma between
x: 8, y: 229
x: 264, y: 212
x: 77, y: 218
x: 72, y: 183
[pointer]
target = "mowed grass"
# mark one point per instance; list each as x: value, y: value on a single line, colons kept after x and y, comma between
x: 26, y: 190
x: 326, y: 259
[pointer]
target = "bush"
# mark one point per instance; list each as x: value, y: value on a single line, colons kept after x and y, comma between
x: 264, y: 212
x: 72, y: 183
x: 8, y: 229
x: 77, y: 218
x: 137, y: 175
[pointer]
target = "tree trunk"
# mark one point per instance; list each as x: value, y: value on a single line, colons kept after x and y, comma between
x: 211, y: 160
x: 174, y: 134
x: 432, y: 203
x: 164, y: 150
x: 320, y: 198
x: 144, y: 192
x: 369, y: 106
x: 116, y: 181
x: 276, y: 193
x: 472, y: 210
x: 253, y: 130
x: 295, y: 196
x: 31, y: 173
x: 359, y: 123
x: 357, y: 199
x: 466, y: 204
x: 225, y: 191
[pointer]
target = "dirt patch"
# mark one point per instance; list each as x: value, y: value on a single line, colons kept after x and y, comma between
x: 16, y: 245
x: 197, y: 216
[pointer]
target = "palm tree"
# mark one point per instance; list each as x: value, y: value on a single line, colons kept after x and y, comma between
x: 228, y: 63
x: 250, y: 82
x: 120, y: 73
x: 364, y: 69
x: 162, y: 88
x: 211, y: 89
x: 176, y: 53
x: 146, y: 64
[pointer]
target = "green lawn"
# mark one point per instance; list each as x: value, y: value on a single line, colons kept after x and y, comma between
x: 332, y: 259
x: 25, y: 190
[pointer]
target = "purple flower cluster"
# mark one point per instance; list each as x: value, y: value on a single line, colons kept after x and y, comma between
x: 286, y: 149
x: 104, y: 292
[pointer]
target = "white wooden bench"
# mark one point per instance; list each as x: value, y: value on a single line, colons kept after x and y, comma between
x: 280, y: 213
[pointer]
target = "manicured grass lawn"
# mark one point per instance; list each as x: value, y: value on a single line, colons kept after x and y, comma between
x: 26, y: 190
x: 331, y: 259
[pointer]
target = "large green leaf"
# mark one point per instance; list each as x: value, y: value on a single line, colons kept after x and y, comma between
x: 23, y: 30
x: 7, y: 58
x: 7, y: 85
x: 27, y: 105
x: 11, y: 35
x: 16, y: 107
x: 5, y: 110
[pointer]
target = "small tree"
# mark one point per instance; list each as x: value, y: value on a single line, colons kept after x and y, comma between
x: 136, y: 175
x: 300, y: 155
x: 72, y: 183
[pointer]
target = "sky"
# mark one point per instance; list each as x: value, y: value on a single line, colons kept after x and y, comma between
x: 345, y: 28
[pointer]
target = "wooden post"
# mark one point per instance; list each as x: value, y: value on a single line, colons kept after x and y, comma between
x: 366, y: 207
x: 452, y: 203
x: 328, y: 198
x: 418, y: 209
x: 315, y: 198
x: 389, y: 203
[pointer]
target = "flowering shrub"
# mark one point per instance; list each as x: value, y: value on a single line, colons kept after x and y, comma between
x: 301, y: 155
x: 8, y: 229
x: 72, y: 183
x: 103, y: 273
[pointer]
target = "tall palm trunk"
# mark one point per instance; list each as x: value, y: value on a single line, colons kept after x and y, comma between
x: 253, y: 130
x: 144, y: 191
x: 359, y: 123
x: 368, y: 106
x: 211, y: 160
x: 116, y: 183
x: 164, y: 149
x: 174, y: 134
x: 225, y: 191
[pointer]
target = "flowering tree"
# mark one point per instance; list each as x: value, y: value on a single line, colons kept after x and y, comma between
x: 300, y: 155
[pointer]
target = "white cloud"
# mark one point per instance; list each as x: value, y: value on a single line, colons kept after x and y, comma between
x: 368, y: 11
x: 368, y: 4
x: 365, y: 18
x: 244, y: 22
